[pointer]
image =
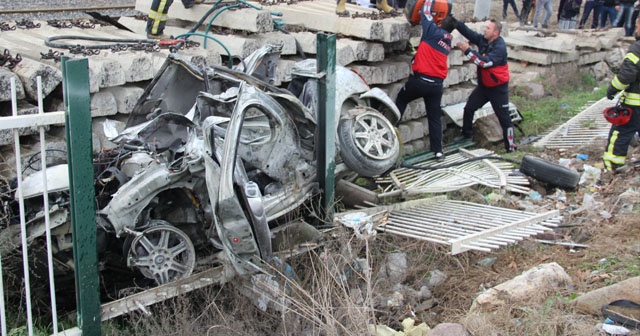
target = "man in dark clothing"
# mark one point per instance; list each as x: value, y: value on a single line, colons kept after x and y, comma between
x: 568, y: 14
x: 157, y: 18
x: 429, y: 68
x: 608, y: 11
x: 625, y: 13
x: 627, y: 80
x: 493, y: 79
x: 591, y: 5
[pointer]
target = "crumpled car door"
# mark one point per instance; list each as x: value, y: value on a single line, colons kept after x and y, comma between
x: 258, y: 137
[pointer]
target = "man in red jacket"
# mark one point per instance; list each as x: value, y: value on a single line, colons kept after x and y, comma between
x: 429, y: 68
x: 493, y: 79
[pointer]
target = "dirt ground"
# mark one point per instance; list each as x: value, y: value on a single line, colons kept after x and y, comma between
x: 612, y: 252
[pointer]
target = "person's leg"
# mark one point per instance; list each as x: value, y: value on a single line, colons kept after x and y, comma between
x: 476, y: 100
x: 533, y: 11
x: 618, y: 142
x: 515, y: 7
x: 628, y: 25
x: 588, y: 7
x: 607, y: 13
x: 157, y: 18
x: 499, y: 98
x: 573, y: 22
x: 410, y: 91
x: 432, y: 100
x: 548, y: 12
x: 618, y: 18
x: 603, y: 16
x: 505, y: 3
x: 526, y: 9
x: 634, y: 16
x: 539, y: 8
x: 614, y: 14
x: 537, y: 13
x: 597, y: 7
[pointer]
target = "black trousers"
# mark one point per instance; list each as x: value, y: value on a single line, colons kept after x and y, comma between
x: 431, y: 93
x: 505, y: 4
x: 157, y: 18
x: 527, y: 6
x: 620, y: 137
x: 499, y: 98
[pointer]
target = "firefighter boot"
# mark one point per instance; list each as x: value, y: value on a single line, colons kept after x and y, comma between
x: 384, y: 6
x: 341, y: 8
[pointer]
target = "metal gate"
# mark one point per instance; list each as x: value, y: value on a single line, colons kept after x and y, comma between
x: 76, y: 117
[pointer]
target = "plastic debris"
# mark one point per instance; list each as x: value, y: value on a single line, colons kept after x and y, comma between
x: 582, y: 157
x: 591, y: 174
x: 408, y: 325
x: 534, y: 196
x: 566, y: 163
x: 614, y: 329
x: 560, y: 195
x: 486, y: 262
x: 361, y: 224
x: 494, y: 197
x: 605, y: 214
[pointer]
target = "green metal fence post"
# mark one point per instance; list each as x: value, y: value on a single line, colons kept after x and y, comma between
x: 77, y: 102
x: 326, y: 63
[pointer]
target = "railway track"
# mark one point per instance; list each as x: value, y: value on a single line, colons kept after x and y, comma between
x: 64, y: 9
x: 68, y: 9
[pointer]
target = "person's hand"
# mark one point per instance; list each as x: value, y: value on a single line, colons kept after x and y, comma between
x: 611, y: 93
x: 463, y: 45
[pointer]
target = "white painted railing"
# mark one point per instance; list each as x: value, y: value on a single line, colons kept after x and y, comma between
x: 15, y: 123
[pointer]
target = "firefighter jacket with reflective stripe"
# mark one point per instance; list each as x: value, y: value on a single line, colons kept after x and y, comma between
x: 627, y: 78
x: 491, y: 57
x: 435, y: 44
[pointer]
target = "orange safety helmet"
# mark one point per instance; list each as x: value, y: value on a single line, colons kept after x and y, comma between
x: 617, y: 115
x: 439, y: 10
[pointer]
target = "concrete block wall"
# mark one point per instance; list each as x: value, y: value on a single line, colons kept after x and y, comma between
x: 117, y: 79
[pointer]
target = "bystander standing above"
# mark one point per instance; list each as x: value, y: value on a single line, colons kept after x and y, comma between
x: 493, y: 79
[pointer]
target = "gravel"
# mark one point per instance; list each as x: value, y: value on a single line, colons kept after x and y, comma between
x: 65, y: 15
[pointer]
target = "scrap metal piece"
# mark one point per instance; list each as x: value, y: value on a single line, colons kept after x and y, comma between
x: 582, y: 129
x: 461, y: 225
x: 494, y: 174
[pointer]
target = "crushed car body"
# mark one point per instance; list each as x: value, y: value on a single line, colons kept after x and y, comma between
x: 213, y: 159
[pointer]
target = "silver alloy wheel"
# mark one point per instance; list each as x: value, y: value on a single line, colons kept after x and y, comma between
x: 163, y: 253
x: 374, y: 136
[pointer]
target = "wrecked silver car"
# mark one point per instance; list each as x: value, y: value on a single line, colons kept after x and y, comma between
x: 213, y: 159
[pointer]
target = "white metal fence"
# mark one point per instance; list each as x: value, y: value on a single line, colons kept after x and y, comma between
x: 15, y: 123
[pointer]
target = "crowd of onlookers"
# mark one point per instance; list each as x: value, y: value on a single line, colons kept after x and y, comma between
x: 604, y: 13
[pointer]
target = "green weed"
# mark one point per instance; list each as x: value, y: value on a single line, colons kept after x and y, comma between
x: 565, y: 101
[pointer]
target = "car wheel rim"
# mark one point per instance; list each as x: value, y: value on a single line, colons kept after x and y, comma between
x: 162, y: 253
x: 374, y: 136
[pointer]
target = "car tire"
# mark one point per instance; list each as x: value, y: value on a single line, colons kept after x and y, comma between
x: 548, y: 172
x: 369, y: 143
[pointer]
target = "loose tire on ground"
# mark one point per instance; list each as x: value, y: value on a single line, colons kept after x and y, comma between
x: 548, y: 172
